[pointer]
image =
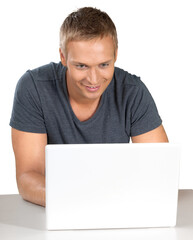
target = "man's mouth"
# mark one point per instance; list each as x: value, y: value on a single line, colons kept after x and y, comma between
x: 92, y: 88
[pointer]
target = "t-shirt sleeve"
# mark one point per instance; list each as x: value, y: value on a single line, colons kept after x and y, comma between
x: 27, y: 114
x: 144, y: 113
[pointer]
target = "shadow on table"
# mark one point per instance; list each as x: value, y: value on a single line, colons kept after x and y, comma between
x: 185, y: 214
x: 15, y: 211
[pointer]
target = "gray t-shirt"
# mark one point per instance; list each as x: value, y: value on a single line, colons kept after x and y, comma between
x: 41, y: 105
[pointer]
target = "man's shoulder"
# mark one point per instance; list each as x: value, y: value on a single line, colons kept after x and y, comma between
x: 125, y: 78
x: 128, y: 84
x: 49, y: 72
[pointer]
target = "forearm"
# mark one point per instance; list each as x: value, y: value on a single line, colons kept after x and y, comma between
x: 31, y: 186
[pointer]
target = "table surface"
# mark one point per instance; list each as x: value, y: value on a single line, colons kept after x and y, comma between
x: 23, y: 220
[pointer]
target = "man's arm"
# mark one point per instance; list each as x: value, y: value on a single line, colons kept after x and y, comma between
x: 29, y: 150
x: 156, y: 135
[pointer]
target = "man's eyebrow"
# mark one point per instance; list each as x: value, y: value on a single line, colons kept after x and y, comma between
x: 108, y: 61
x: 81, y: 63
x: 78, y: 63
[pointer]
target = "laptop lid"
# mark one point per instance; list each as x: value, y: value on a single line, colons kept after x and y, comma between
x: 95, y: 186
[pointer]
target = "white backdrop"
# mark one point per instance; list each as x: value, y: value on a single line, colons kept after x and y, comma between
x: 155, y: 43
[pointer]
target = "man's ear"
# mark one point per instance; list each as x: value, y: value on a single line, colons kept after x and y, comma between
x: 116, y: 53
x: 62, y: 57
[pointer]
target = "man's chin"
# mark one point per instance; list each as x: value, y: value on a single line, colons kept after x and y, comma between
x: 92, y: 96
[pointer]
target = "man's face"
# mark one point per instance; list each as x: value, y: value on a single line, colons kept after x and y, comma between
x: 90, y: 68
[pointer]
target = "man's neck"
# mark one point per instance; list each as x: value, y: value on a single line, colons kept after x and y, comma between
x: 84, y: 110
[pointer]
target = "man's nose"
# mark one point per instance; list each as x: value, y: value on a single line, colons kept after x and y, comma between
x: 93, y: 76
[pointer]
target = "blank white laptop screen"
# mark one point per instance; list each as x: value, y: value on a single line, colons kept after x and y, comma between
x: 96, y: 186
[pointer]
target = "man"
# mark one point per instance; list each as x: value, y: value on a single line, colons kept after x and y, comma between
x: 82, y: 99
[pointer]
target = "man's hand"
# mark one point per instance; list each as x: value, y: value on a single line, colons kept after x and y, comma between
x: 29, y: 149
x: 154, y: 136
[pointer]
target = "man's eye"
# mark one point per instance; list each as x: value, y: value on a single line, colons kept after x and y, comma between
x: 81, y: 66
x: 103, y: 65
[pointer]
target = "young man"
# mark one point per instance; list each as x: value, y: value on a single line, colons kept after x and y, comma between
x: 82, y: 99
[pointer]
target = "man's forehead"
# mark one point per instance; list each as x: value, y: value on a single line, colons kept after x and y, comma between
x: 88, y: 41
x: 100, y: 50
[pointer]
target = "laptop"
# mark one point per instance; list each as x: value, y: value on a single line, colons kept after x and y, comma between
x: 104, y: 186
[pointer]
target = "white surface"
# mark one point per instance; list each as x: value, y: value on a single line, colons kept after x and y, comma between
x: 25, y: 221
x: 111, y: 185
x: 155, y: 43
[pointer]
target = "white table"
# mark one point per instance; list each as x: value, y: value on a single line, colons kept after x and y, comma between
x: 23, y: 220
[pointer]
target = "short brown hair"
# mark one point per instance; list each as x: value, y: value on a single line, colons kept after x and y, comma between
x: 85, y: 24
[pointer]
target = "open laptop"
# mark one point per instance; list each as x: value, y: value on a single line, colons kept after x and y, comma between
x: 96, y: 186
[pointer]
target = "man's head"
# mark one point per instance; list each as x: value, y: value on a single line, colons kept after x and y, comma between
x: 88, y: 48
x: 85, y: 24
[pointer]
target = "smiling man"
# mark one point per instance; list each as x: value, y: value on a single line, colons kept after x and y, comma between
x: 90, y: 70
x: 82, y: 99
